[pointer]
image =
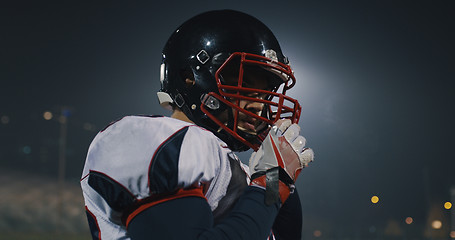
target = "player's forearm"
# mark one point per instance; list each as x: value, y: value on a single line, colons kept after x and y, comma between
x: 288, y: 223
x: 250, y: 218
x: 191, y: 218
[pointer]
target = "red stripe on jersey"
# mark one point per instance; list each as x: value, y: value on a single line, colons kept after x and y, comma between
x: 82, y: 179
x: 181, y: 193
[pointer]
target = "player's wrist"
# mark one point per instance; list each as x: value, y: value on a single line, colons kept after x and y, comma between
x: 276, y: 183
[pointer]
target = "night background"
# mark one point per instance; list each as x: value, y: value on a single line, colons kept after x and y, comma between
x: 375, y: 79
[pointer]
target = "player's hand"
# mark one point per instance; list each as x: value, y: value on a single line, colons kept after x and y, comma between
x: 283, y: 151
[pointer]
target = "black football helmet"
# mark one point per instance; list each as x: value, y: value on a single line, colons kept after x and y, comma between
x: 218, y: 51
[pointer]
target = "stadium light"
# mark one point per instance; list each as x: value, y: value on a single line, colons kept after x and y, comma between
x: 436, y: 224
x: 4, y: 119
x: 409, y: 220
x: 47, y: 115
x: 317, y: 233
x: 374, y: 199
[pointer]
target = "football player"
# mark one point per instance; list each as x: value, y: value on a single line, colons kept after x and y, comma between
x: 153, y: 177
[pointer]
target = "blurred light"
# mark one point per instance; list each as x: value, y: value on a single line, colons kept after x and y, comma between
x: 409, y: 220
x: 375, y: 199
x: 317, y: 233
x: 66, y: 112
x: 372, y: 229
x: 27, y: 150
x: 47, y: 115
x: 436, y: 224
x: 62, y: 119
x: 448, y: 205
x: 452, y: 234
x: 4, y: 119
x: 89, y: 127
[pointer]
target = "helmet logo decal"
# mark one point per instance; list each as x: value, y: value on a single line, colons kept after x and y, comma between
x: 203, y: 56
x: 270, y: 53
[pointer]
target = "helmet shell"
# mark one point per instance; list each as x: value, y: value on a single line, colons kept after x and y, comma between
x: 198, y: 48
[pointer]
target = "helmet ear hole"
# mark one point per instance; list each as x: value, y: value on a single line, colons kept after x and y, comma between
x: 187, y: 78
x: 189, y: 83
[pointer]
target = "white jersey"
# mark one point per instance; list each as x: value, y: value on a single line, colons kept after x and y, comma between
x: 139, y: 158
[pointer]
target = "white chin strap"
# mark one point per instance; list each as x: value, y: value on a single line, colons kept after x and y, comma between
x: 165, y: 100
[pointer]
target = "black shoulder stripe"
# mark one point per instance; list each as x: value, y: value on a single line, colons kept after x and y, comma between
x: 163, y: 171
x: 93, y: 225
x: 114, y: 193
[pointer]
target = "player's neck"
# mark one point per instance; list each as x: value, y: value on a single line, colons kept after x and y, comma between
x: 181, y: 116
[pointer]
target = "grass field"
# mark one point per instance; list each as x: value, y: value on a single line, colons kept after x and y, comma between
x: 43, y: 236
x: 36, y: 207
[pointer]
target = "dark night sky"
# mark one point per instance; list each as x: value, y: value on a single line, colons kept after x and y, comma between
x: 375, y: 78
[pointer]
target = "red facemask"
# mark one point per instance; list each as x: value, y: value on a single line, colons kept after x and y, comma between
x: 271, y: 95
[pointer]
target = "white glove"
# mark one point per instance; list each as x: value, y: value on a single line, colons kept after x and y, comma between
x: 283, y: 148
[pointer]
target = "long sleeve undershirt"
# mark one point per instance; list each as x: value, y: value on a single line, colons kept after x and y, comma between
x: 191, y: 218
